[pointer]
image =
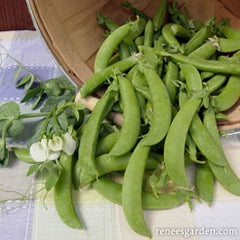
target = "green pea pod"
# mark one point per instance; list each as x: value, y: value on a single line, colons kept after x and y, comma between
x: 87, y: 148
x: 131, y: 119
x: 107, y: 164
x: 205, y: 143
x: 229, y: 32
x: 205, y: 51
x: 206, y: 65
x: 228, y: 45
x: 109, y: 45
x: 172, y: 74
x: 113, y: 192
x: 204, y: 183
x: 162, y: 110
x: 105, y: 144
x: 180, y: 31
x: 97, y: 79
x: 224, y: 175
x: 170, y: 37
x: 63, y: 194
x: 206, y: 75
x: 229, y: 96
x: 192, y: 77
x: 148, y: 34
x: 132, y: 190
x: 123, y: 50
x: 197, y: 40
x: 139, y: 29
x: 158, y: 19
x: 174, y: 146
x: 23, y: 155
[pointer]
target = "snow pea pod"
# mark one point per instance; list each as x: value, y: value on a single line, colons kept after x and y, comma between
x: 132, y: 190
x: 97, y: 79
x: 204, y: 183
x: 205, y: 143
x: 216, y: 82
x: 174, y: 146
x: 162, y: 110
x: 228, y: 45
x: 180, y: 31
x: 224, y: 175
x: 87, y: 148
x: 131, y: 119
x: 229, y: 96
x: 107, y: 164
x: 172, y: 74
x: 109, y: 45
x: 205, y: 51
x: 63, y: 194
x: 169, y: 37
x: 197, y: 40
x: 160, y: 15
x: 206, y: 65
x: 148, y: 34
x: 229, y: 32
x: 113, y: 192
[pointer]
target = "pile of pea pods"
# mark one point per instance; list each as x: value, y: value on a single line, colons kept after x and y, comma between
x: 172, y: 80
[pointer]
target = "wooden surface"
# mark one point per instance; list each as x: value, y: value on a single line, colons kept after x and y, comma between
x: 14, y: 15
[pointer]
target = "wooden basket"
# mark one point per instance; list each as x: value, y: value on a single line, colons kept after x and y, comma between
x: 71, y: 32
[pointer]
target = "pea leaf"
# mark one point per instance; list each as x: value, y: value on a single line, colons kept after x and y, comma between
x: 29, y: 84
x: 31, y: 94
x: 16, y: 128
x: 17, y: 73
x: 9, y: 110
x: 23, y: 81
x: 38, y: 100
x: 32, y: 169
x: 52, y: 88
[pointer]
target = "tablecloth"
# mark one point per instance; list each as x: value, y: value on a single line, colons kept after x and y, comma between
x: 35, y: 218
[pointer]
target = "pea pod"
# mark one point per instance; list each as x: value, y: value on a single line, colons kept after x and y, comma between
x: 174, y: 146
x: 229, y: 96
x: 180, y: 31
x: 204, y: 183
x: 170, y: 37
x: 224, y: 175
x: 148, y: 34
x: 131, y: 119
x: 162, y: 110
x: 63, y: 194
x: 107, y: 164
x: 228, y: 45
x: 97, y: 79
x: 23, y: 155
x: 160, y: 15
x: 87, y: 149
x: 109, y: 45
x: 197, y: 40
x: 172, y: 74
x: 206, y: 65
x: 205, y: 51
x: 229, y: 32
x: 132, y: 190
x: 113, y: 192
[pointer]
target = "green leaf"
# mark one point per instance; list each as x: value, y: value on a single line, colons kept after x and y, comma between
x: 29, y: 84
x: 63, y: 121
x: 38, y: 100
x: 32, y: 169
x: 9, y: 110
x: 17, y: 73
x: 31, y: 94
x: 23, y: 81
x: 51, y: 180
x: 52, y: 88
x: 16, y: 128
x: 23, y: 155
x: 36, y: 133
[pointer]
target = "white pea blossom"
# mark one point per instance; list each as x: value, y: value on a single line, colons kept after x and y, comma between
x: 69, y: 144
x: 50, y: 149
